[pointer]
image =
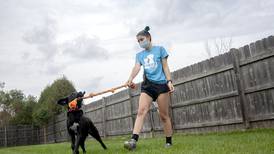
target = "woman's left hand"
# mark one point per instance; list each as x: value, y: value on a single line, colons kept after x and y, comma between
x: 171, y: 87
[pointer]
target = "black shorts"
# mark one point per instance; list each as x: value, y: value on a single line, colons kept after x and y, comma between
x: 153, y: 89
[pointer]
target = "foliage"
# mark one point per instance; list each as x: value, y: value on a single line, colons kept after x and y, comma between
x: 16, y: 108
x: 47, y: 107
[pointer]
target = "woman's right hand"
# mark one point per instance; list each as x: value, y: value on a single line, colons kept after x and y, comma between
x: 130, y: 84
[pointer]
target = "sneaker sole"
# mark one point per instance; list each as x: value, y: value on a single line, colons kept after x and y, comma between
x: 128, y: 147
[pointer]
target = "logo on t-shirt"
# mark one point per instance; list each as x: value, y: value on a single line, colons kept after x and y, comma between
x: 149, y: 62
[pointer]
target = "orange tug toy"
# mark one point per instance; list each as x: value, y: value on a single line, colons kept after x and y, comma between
x: 73, y: 104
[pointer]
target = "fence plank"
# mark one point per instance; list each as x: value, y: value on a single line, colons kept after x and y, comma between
x: 240, y: 86
x: 6, y: 137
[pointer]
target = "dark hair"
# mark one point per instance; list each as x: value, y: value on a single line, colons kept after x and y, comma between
x: 145, y: 32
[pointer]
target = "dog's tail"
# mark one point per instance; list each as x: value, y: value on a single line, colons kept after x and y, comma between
x: 95, y: 133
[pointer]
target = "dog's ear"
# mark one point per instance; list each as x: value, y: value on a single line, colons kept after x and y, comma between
x: 80, y: 94
x: 72, y: 96
x: 63, y: 101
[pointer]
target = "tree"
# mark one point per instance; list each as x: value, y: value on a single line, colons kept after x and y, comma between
x: 4, y: 118
x: 11, y: 101
x: 218, y: 46
x: 24, y: 115
x: 2, y: 85
x: 47, y: 107
x: 16, y: 108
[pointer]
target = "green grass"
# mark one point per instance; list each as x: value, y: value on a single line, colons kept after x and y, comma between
x: 260, y: 141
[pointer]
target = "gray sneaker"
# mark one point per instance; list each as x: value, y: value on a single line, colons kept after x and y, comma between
x: 168, y: 145
x: 130, y: 145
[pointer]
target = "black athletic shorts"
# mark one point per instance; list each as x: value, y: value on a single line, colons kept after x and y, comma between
x: 153, y: 89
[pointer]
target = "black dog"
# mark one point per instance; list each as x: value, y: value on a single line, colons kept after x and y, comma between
x: 77, y: 124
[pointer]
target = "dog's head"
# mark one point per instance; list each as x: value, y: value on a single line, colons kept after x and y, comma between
x: 74, y: 97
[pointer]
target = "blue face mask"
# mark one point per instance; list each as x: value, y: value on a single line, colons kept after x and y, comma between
x: 144, y: 44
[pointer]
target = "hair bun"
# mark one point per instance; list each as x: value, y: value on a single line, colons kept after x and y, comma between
x: 147, y: 28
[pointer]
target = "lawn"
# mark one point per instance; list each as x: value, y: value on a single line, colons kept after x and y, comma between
x: 260, y: 141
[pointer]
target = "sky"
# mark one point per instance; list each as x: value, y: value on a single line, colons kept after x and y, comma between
x: 93, y: 42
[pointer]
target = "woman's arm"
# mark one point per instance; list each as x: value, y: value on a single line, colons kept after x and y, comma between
x: 134, y: 72
x: 168, y: 74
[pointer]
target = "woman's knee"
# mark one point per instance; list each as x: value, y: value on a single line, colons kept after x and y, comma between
x: 142, y: 112
x: 164, y: 117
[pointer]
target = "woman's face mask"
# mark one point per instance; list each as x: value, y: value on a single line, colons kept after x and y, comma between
x: 143, y: 42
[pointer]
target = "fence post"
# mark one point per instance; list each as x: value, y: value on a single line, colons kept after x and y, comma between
x: 152, y: 123
x: 38, y: 135
x: 32, y: 134
x: 54, y: 129
x: 45, y: 134
x: 6, y: 139
x: 104, y: 118
x: 171, y: 112
x: 240, y: 86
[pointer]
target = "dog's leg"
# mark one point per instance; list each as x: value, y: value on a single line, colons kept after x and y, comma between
x: 76, y: 151
x: 70, y: 121
x: 72, y: 137
x: 80, y: 138
x: 82, y: 144
x: 94, y: 133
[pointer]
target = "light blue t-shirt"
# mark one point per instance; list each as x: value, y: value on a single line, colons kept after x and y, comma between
x: 152, y: 63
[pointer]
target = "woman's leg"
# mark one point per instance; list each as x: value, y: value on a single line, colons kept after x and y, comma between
x: 144, y: 106
x: 163, y: 104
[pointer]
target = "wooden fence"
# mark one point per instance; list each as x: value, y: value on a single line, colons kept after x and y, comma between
x: 19, y: 135
x: 232, y: 91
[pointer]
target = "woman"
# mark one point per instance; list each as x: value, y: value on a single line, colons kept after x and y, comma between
x: 156, y: 86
